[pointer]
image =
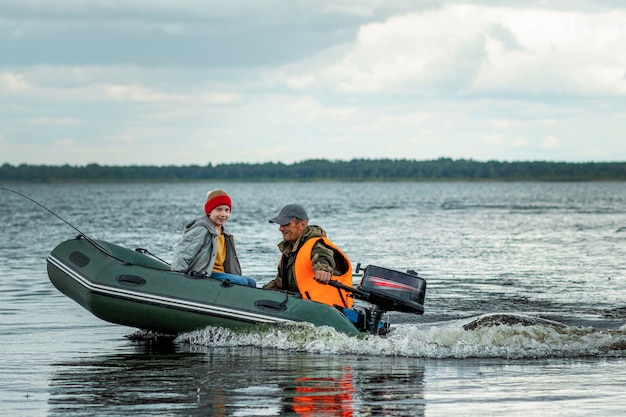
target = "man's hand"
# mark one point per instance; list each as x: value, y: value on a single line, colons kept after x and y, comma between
x: 323, y: 277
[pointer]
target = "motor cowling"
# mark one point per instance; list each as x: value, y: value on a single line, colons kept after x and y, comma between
x: 392, y: 290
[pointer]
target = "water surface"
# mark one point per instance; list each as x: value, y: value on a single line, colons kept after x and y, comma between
x: 495, y: 255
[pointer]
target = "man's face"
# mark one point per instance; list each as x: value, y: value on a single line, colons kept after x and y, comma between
x: 293, y: 230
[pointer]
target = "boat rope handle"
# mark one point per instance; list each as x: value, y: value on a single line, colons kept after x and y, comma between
x: 142, y: 250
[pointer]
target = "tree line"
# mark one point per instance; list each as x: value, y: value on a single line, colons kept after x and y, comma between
x: 442, y: 169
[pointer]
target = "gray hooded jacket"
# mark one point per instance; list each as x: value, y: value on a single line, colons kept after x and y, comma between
x: 197, y: 250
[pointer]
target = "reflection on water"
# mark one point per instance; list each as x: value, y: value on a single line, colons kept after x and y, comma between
x: 165, y: 379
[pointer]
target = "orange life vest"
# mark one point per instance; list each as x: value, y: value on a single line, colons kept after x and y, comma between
x: 313, y: 290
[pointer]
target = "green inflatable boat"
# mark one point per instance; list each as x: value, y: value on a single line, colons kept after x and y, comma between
x: 131, y: 288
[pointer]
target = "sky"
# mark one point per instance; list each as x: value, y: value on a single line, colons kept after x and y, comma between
x: 197, y: 82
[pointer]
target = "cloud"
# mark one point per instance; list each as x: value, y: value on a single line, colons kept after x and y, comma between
x: 550, y: 142
x: 233, y: 81
x: 10, y: 81
x: 54, y: 121
x: 519, y: 142
x: 472, y: 49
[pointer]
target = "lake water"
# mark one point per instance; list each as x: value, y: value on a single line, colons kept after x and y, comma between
x: 495, y: 256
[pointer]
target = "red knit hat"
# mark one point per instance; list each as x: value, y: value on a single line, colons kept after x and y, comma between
x: 216, y: 198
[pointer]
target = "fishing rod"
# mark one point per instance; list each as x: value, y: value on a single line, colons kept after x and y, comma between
x: 81, y: 233
x: 48, y: 210
x: 84, y: 235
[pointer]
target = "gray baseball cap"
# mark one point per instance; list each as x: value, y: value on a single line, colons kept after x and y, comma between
x: 290, y: 212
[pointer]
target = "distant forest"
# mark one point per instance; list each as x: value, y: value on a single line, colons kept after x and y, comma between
x: 442, y: 169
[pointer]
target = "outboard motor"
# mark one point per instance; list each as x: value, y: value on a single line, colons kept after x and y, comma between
x: 386, y: 290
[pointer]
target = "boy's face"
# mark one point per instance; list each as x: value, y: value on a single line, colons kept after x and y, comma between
x: 219, y: 215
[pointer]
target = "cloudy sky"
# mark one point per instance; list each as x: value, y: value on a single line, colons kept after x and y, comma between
x: 160, y: 82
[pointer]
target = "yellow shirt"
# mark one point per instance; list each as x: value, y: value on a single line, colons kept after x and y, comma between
x: 220, y: 256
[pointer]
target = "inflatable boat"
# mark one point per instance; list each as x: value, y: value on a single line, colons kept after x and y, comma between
x: 132, y: 288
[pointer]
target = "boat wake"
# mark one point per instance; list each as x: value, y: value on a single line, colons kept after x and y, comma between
x: 487, y: 336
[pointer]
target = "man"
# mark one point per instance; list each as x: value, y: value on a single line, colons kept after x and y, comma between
x: 309, y: 260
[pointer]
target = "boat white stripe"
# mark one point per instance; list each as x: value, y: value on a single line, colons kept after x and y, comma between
x: 162, y: 300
